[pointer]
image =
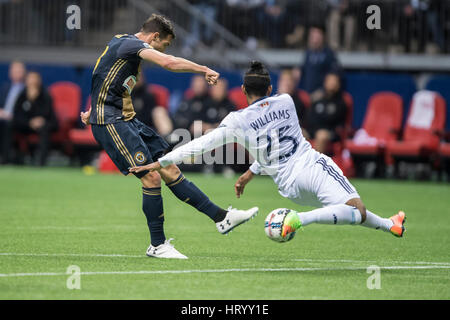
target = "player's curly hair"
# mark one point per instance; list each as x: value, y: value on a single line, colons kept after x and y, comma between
x: 256, y: 79
x: 159, y: 23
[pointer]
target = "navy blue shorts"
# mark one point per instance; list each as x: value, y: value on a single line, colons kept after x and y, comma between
x: 130, y: 143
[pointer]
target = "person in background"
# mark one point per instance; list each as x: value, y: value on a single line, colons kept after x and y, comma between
x: 340, y: 12
x: 319, y: 60
x: 147, y: 111
x: 34, y: 114
x: 9, y: 93
x: 327, y: 113
x: 417, y: 18
x: 200, y: 31
x: 287, y: 83
x: 217, y: 105
x: 191, y: 108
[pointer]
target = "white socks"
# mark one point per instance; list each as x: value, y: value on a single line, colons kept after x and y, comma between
x: 376, y: 222
x: 344, y: 214
x: 337, y: 214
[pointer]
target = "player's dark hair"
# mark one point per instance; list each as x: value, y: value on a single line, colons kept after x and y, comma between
x: 159, y: 23
x: 256, y: 79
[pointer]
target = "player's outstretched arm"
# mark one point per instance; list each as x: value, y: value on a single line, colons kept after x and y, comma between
x: 242, y: 182
x: 177, y: 64
x: 155, y: 166
x: 196, y: 147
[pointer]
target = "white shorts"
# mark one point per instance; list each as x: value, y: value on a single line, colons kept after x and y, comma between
x: 321, y: 184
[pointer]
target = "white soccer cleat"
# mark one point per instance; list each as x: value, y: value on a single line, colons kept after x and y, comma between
x: 165, y: 250
x: 234, y: 218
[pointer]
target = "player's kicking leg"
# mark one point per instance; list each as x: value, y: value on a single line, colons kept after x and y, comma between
x: 186, y: 191
x: 152, y: 205
x: 342, y: 204
x: 351, y: 213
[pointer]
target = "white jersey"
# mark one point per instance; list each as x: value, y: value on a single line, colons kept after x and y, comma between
x: 269, y: 129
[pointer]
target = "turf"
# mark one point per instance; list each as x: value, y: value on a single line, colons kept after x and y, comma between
x: 53, y: 218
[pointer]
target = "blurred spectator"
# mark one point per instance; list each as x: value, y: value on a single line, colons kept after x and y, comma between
x: 34, y: 114
x: 198, y: 30
x: 319, y: 60
x: 244, y: 21
x: 217, y: 105
x: 273, y: 21
x: 191, y: 108
x: 340, y: 12
x: 287, y: 83
x: 147, y: 111
x: 419, y: 17
x: 327, y: 115
x: 9, y: 93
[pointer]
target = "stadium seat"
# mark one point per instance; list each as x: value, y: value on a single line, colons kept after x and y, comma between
x: 83, y: 136
x: 337, y: 149
x: 424, y: 126
x: 304, y: 97
x: 161, y: 94
x: 383, y: 122
x: 105, y: 164
x: 441, y: 83
x: 66, y: 103
x: 444, y: 152
x: 238, y: 98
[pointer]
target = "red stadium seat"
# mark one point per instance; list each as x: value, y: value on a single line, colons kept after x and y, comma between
x: 304, y: 97
x: 105, y: 164
x: 66, y: 103
x: 238, y: 98
x: 383, y: 121
x: 337, y: 148
x: 423, y: 129
x: 83, y: 137
x: 188, y: 94
x: 161, y: 94
x: 444, y: 149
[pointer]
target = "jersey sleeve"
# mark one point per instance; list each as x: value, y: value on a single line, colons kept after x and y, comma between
x: 255, y: 167
x: 230, y: 121
x: 198, y: 146
x: 131, y: 47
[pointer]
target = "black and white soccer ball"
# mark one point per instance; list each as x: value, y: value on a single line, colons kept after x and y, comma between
x: 274, y: 224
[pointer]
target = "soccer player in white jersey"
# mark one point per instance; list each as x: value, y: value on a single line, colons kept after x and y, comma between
x: 269, y: 129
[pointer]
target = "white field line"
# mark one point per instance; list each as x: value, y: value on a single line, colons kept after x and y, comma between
x: 144, y: 256
x: 373, y: 261
x: 73, y: 255
x: 90, y: 273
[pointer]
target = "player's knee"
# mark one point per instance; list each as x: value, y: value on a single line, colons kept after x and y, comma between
x: 362, y: 210
x: 151, y: 180
x: 170, y: 173
x: 358, y: 204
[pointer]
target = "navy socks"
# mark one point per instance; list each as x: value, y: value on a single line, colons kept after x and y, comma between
x: 152, y: 205
x: 187, y: 192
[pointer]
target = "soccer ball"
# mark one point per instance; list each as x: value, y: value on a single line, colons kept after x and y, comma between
x: 274, y: 224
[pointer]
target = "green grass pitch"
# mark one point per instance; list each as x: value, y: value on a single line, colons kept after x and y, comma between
x: 53, y: 218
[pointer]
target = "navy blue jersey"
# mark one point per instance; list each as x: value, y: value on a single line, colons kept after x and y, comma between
x: 113, y: 79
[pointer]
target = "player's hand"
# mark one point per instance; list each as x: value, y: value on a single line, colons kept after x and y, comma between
x: 85, y: 117
x: 241, y: 183
x: 150, y: 167
x: 211, y: 76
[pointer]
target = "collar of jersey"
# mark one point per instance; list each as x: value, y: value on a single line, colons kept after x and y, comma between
x: 256, y: 101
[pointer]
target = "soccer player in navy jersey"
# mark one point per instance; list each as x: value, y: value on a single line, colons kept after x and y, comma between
x: 129, y: 142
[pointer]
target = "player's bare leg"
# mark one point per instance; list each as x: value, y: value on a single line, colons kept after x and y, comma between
x: 322, y: 139
x: 152, y: 205
x: 186, y: 191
